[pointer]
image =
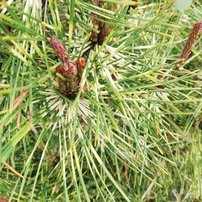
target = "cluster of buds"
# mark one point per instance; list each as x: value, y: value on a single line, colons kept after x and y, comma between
x: 102, y: 29
x: 69, y: 73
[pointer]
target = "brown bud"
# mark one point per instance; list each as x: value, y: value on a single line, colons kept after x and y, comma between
x: 104, y: 32
x: 81, y: 63
x: 194, y: 35
x: 95, y: 26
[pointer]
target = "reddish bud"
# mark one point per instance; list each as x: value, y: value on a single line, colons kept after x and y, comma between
x: 69, y: 74
x: 70, y: 67
x: 60, y: 70
x: 59, y: 48
x: 3, y: 199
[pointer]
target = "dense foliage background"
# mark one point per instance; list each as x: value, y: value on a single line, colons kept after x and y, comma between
x: 134, y: 134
